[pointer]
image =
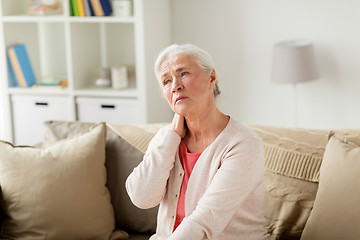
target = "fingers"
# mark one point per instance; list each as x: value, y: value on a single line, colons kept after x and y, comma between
x: 178, y: 125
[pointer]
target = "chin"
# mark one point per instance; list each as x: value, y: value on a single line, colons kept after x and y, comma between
x: 180, y: 111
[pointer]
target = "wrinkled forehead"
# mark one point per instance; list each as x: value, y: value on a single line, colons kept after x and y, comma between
x: 174, y: 62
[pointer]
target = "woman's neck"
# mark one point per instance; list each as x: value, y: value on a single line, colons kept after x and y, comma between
x: 203, y: 129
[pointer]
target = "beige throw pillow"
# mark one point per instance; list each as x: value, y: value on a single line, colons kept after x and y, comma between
x: 58, y: 192
x: 336, y: 212
x: 125, y: 147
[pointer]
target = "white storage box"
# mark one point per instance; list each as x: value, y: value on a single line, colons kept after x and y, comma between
x: 29, y: 113
x: 113, y: 110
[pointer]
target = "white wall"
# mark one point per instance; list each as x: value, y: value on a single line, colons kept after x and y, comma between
x: 240, y: 34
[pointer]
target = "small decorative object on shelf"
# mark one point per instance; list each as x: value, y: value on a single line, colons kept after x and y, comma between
x: 122, y: 8
x: 51, y: 83
x: 45, y: 7
x: 119, y: 77
x: 104, y: 79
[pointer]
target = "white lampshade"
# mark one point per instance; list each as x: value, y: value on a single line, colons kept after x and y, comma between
x: 293, y: 62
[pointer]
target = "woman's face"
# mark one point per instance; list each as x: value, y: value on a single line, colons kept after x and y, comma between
x: 187, y: 88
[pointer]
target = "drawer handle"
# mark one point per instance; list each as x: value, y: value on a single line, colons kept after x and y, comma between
x: 107, y: 106
x: 41, y: 103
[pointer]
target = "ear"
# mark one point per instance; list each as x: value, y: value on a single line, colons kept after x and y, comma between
x: 212, y: 78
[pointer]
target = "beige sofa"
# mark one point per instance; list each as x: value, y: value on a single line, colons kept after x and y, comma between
x: 293, y: 160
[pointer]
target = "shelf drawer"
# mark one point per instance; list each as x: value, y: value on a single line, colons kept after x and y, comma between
x: 29, y: 113
x: 113, y: 110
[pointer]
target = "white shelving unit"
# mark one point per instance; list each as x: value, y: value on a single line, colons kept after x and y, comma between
x: 74, y: 48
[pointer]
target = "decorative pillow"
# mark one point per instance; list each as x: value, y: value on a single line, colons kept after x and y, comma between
x: 336, y: 213
x: 57, y: 192
x: 293, y: 159
x: 125, y: 148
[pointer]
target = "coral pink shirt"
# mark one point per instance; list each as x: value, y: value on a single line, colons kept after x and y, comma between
x: 188, y: 161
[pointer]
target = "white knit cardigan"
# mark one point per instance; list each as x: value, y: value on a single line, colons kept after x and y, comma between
x: 225, y: 194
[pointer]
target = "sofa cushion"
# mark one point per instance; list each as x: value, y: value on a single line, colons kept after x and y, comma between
x: 125, y: 147
x: 336, y: 214
x: 293, y: 159
x: 288, y: 204
x: 57, y: 192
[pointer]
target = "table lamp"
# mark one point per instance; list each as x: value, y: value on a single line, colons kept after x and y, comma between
x: 294, y: 62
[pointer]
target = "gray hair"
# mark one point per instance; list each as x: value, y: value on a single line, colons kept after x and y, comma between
x: 202, y: 57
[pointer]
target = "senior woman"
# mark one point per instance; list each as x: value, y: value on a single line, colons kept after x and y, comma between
x: 205, y: 169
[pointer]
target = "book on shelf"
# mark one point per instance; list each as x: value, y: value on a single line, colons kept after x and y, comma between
x: 21, y: 65
x: 11, y: 74
x: 80, y: 4
x: 91, y: 8
x: 87, y: 7
x: 96, y: 6
x: 71, y: 8
x: 106, y: 6
x: 75, y: 8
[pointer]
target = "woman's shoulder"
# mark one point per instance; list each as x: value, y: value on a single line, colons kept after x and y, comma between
x: 239, y: 140
x: 165, y: 133
x: 239, y: 131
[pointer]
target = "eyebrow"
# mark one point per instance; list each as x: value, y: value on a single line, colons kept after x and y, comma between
x: 179, y: 69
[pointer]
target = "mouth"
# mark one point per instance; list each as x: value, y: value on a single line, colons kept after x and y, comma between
x: 178, y: 99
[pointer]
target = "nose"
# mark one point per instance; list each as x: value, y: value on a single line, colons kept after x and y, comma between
x: 177, y: 85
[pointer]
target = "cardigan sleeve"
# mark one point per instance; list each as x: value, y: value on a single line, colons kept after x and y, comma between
x: 241, y: 172
x: 146, y: 185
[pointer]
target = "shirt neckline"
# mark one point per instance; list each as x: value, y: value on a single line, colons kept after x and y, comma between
x: 189, y: 153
